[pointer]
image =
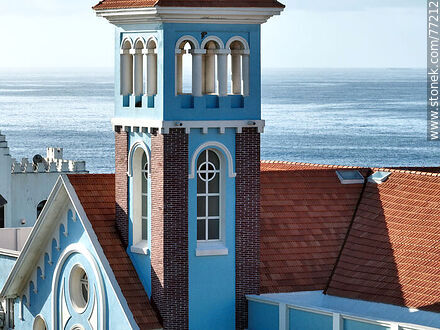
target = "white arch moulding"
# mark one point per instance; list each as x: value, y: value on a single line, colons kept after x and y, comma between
x: 215, y: 39
x: 239, y: 39
x: 123, y: 42
x: 212, y: 144
x: 131, y: 155
x: 72, y: 249
x: 193, y: 41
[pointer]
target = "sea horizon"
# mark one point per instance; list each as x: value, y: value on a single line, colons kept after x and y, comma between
x: 353, y: 116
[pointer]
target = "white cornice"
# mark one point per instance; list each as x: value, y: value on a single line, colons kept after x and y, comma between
x: 147, y: 125
x: 188, y: 15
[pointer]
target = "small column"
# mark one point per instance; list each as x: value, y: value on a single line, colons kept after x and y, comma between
x: 236, y: 71
x: 138, y: 72
x: 222, y: 62
x: 210, y: 71
x: 151, y: 73
x: 126, y: 72
x: 245, y: 70
x: 197, y: 71
x: 179, y: 70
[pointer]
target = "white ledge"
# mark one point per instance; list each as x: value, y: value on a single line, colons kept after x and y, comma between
x: 140, y: 248
x: 211, y: 249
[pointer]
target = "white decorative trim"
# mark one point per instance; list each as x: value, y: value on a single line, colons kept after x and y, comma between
x: 123, y: 42
x: 218, y: 15
x: 9, y: 253
x: 80, y: 249
x: 211, y: 249
x: 239, y: 39
x: 142, y: 40
x: 138, y: 144
x: 213, y: 144
x: 283, y: 317
x: 147, y: 125
x: 140, y: 248
x: 215, y: 39
x: 191, y: 39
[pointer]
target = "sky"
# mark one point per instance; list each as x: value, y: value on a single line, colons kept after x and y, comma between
x: 309, y: 33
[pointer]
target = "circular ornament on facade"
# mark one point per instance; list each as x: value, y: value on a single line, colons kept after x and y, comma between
x: 79, y: 290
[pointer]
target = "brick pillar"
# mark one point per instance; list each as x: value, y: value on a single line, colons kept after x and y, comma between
x: 169, y: 227
x: 247, y: 221
x: 121, y: 184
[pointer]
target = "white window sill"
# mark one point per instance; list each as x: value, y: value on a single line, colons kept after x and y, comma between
x: 211, y: 249
x: 140, y: 248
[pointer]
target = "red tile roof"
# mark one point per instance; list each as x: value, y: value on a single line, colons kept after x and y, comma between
x: 392, y: 251
x: 305, y: 213
x: 97, y: 196
x: 120, y: 4
x: 392, y: 254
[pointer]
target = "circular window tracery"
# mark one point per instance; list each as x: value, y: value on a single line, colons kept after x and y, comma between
x: 79, y: 288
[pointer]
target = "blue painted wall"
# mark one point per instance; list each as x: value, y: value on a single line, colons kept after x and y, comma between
x: 168, y: 105
x: 263, y: 316
x: 212, y: 278
x: 141, y: 262
x: 301, y: 320
x: 356, y: 325
x: 6, y: 264
x: 41, y: 301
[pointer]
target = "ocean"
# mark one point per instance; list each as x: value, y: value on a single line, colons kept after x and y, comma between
x: 374, y: 117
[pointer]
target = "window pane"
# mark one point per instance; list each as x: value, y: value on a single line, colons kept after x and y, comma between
x: 213, y: 158
x: 144, y: 206
x: 144, y: 159
x: 214, y: 184
x: 201, y: 206
x: 144, y: 184
x: 201, y: 230
x: 214, y: 229
x: 144, y: 228
x: 213, y: 206
x: 202, y: 159
x: 201, y: 187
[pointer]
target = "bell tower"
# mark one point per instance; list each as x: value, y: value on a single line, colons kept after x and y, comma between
x: 187, y: 128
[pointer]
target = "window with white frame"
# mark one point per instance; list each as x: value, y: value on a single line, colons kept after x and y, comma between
x: 144, y: 195
x: 140, y: 197
x: 208, y: 196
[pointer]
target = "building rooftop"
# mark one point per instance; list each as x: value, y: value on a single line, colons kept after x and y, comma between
x: 121, y: 4
x: 97, y: 196
x: 381, y: 244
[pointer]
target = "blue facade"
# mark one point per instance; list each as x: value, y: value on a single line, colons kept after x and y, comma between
x: 302, y: 320
x: 263, y: 316
x: 6, y: 264
x: 104, y: 306
x: 172, y: 107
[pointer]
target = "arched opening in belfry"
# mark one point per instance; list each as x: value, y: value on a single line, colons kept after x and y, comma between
x: 151, y: 67
x: 239, y: 73
x: 210, y: 68
x: 139, y: 68
x: 126, y: 68
x: 184, y: 68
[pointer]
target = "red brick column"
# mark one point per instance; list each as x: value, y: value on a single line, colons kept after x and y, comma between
x: 169, y: 221
x: 247, y: 221
x: 121, y: 184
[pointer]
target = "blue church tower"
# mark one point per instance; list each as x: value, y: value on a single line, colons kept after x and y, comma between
x: 187, y: 141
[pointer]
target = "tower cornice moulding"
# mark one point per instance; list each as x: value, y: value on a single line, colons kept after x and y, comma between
x: 216, y: 15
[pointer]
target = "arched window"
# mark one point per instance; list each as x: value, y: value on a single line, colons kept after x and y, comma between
x: 126, y: 68
x: 140, y: 198
x: 184, y: 68
x: 40, y: 207
x: 239, y: 68
x: 209, y: 178
x: 151, y: 68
